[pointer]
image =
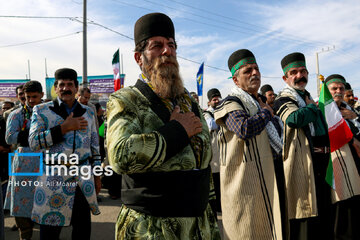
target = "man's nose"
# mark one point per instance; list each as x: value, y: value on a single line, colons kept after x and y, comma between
x: 166, y: 50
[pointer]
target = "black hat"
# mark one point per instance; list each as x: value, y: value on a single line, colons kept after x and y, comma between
x: 66, y: 73
x: 214, y: 92
x: 334, y: 78
x: 348, y: 87
x: 265, y: 89
x: 293, y: 60
x: 151, y: 25
x: 239, y: 58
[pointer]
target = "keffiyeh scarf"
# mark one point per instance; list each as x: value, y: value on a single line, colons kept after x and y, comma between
x: 300, y: 102
x: 276, y: 142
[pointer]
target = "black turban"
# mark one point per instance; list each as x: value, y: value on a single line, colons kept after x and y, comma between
x: 152, y: 25
x: 334, y: 78
x: 239, y: 58
x: 265, y: 89
x: 214, y: 92
x: 293, y: 60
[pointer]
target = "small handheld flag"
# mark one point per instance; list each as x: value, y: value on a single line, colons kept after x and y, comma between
x: 200, y: 79
x: 116, y: 70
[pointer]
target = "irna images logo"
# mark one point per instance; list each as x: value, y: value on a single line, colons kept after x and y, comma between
x: 60, y: 164
x: 17, y: 154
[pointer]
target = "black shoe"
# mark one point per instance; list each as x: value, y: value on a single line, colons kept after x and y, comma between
x: 14, y: 228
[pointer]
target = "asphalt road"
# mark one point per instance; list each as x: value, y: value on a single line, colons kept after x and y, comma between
x: 102, y: 226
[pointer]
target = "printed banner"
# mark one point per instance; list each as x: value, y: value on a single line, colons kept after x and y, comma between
x: 7, y: 87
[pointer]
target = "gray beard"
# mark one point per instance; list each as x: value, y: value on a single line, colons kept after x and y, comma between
x: 165, y: 79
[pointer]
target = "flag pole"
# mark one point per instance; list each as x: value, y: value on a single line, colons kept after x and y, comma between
x: 122, y: 64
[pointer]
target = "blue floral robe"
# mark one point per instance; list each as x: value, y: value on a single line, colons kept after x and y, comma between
x: 20, y: 191
x: 54, y: 197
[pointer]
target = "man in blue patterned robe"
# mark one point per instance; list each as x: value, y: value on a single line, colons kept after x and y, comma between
x: 65, y: 127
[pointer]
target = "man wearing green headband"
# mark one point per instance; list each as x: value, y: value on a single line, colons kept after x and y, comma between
x: 159, y: 141
x: 306, y: 154
x: 346, y: 195
x: 249, y: 189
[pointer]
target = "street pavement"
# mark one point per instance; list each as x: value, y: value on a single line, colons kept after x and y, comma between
x: 102, y: 226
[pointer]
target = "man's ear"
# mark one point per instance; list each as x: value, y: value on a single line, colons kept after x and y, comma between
x: 138, y: 58
x: 235, y: 80
x: 284, y: 78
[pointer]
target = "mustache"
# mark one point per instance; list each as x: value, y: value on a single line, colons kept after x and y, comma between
x: 303, y: 79
x: 166, y: 60
x: 66, y: 92
x: 338, y: 95
x: 254, y: 78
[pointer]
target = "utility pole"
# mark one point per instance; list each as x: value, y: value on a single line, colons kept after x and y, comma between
x: 84, y: 77
x: 46, y: 73
x: 29, y: 69
x: 317, y: 68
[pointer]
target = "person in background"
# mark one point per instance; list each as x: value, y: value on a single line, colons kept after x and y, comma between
x: 4, y: 151
x: 214, y: 97
x: 267, y: 91
x: 346, y: 166
x: 20, y: 96
x: 350, y: 99
x: 84, y: 96
x: 195, y: 96
x: 19, y: 198
x: 6, y: 105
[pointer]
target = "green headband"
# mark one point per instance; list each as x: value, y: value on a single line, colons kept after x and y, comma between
x: 294, y: 65
x: 242, y: 62
x: 335, y: 80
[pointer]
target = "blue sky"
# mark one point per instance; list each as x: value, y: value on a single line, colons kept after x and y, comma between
x: 205, y: 31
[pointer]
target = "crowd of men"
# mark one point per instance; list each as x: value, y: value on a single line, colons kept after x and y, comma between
x: 258, y: 159
x: 62, y: 126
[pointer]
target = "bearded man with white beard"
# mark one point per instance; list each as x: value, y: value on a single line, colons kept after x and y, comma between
x: 159, y: 142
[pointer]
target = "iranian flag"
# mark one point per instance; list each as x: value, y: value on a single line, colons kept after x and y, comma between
x: 116, y: 70
x: 339, y: 131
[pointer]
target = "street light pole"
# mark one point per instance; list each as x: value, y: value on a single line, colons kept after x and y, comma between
x: 84, y: 46
x: 317, y: 75
x: 317, y: 67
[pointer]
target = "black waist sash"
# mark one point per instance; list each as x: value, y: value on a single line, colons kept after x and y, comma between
x: 167, y: 194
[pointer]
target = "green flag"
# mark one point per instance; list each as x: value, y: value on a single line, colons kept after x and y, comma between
x: 102, y: 130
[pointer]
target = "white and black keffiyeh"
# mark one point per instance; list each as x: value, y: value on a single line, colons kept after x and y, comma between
x: 276, y: 142
x: 300, y: 102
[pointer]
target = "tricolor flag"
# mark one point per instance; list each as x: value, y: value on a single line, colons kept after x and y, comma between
x: 200, y: 79
x: 339, y: 131
x: 116, y: 70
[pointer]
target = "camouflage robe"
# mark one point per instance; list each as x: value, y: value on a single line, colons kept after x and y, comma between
x: 135, y: 145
